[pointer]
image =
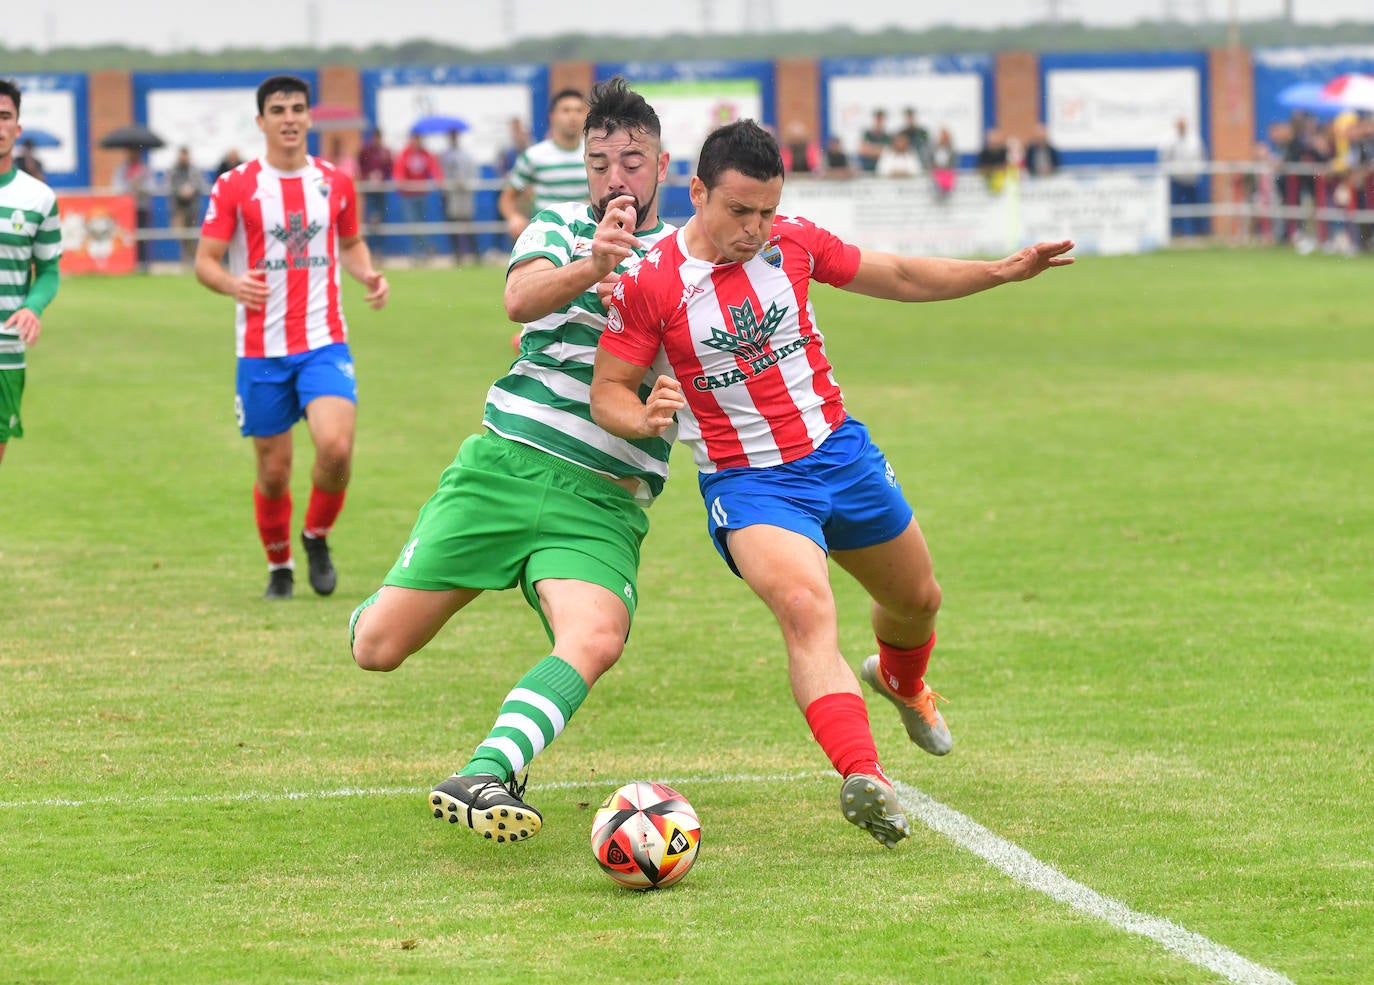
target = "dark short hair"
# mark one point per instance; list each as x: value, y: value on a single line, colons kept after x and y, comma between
x: 281, y: 83
x: 8, y: 87
x: 742, y: 146
x: 563, y: 94
x: 615, y: 106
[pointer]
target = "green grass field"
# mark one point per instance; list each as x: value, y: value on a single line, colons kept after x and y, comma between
x: 1147, y: 486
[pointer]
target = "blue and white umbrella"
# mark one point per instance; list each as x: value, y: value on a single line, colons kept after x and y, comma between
x: 39, y: 138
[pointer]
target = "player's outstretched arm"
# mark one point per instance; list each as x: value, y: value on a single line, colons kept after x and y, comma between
x: 904, y: 278
x: 616, y: 406
x: 357, y: 260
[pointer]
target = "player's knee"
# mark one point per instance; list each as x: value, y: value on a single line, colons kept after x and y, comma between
x: 374, y: 651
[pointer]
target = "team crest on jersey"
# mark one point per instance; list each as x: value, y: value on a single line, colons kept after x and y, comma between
x: 772, y: 255
x: 296, y: 234
x: 323, y: 186
x: 614, y: 322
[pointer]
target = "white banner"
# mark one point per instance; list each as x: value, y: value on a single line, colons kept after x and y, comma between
x: 486, y: 107
x: 952, y: 100
x: 1120, y: 109
x: 208, y: 121
x: 1102, y: 213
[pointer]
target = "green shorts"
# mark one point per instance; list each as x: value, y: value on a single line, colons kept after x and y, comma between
x: 507, y: 514
x: 11, y: 394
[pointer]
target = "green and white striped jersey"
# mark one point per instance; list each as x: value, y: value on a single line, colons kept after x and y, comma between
x: 545, y: 399
x: 553, y: 174
x: 29, y: 230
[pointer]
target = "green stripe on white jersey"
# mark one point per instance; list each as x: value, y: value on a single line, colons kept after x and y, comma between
x: 29, y: 229
x: 545, y: 399
x: 553, y: 174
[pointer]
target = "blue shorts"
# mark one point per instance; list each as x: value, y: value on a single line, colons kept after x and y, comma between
x: 271, y: 393
x: 844, y: 496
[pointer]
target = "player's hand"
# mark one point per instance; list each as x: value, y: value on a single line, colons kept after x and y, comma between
x: 605, y: 287
x: 665, y: 400
x: 28, y: 323
x: 615, y: 234
x: 250, y: 289
x: 378, y: 290
x: 515, y: 225
x: 1036, y: 259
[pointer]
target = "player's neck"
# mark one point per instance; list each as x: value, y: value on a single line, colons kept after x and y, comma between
x: 283, y: 159
x: 699, y: 245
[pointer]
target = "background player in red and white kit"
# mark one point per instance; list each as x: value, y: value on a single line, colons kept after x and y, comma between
x: 289, y: 222
x: 788, y: 476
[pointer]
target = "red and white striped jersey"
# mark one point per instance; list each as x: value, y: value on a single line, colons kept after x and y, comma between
x: 287, y: 223
x: 742, y: 340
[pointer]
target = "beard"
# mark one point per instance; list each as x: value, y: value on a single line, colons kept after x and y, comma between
x: 641, y: 208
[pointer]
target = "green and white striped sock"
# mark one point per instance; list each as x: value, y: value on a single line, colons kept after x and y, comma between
x: 534, y: 713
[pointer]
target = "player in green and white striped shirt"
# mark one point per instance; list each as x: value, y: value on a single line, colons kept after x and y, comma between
x: 544, y: 498
x: 552, y: 171
x: 30, y: 247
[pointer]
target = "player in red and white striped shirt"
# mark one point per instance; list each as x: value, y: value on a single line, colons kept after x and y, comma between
x: 788, y: 477
x: 289, y: 223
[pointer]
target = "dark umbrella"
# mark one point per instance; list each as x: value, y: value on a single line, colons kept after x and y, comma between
x: 39, y: 138
x: 438, y: 124
x: 325, y: 117
x: 135, y: 136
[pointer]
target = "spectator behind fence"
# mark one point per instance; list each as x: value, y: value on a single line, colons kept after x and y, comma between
x: 991, y: 161
x: 343, y: 162
x: 1184, y: 160
x: 944, y: 163
x: 917, y: 137
x: 133, y: 178
x: 1042, y: 157
x: 460, y: 183
x: 838, y: 163
x: 898, y: 159
x: 873, y: 140
x: 228, y: 162
x: 185, y: 188
x: 28, y: 162
x: 417, y: 173
x: 374, y: 169
x: 800, y: 154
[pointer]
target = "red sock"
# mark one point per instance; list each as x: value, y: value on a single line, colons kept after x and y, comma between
x: 323, y: 510
x: 905, y: 670
x: 274, y: 526
x: 840, y: 724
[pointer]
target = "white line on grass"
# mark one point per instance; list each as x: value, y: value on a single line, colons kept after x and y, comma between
x: 1026, y: 869
x: 958, y: 828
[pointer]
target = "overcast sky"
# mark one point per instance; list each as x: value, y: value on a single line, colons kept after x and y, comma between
x: 162, y: 26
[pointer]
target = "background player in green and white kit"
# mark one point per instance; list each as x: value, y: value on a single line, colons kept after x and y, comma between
x: 550, y: 172
x: 30, y: 248
x: 544, y: 498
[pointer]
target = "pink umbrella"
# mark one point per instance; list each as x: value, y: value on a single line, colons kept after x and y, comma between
x: 1353, y: 90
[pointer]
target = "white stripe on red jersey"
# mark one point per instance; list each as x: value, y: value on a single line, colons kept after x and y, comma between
x: 742, y: 340
x: 289, y: 224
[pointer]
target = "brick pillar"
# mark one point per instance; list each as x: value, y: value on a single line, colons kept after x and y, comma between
x: 570, y: 75
x: 1016, y: 81
x: 1231, y: 98
x: 343, y: 86
x: 111, y: 100
x: 798, y: 96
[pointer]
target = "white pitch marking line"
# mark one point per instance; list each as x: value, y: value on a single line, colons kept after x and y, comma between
x: 958, y: 828
x: 1026, y: 869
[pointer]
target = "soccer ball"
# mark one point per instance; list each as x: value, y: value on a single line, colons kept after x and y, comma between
x: 645, y: 835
